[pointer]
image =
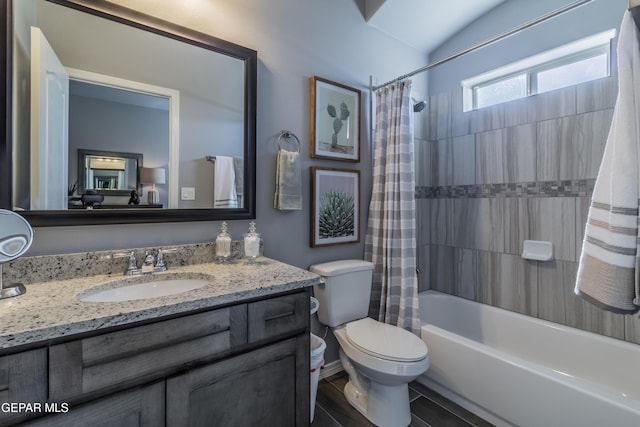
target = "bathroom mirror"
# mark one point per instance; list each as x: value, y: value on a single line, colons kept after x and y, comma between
x: 206, y: 109
x: 16, y: 236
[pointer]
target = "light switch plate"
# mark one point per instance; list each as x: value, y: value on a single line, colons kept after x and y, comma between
x: 188, y: 193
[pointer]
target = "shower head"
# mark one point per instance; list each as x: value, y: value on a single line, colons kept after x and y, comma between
x: 418, y: 105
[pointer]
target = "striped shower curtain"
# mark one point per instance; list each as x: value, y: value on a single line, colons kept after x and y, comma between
x: 390, y: 242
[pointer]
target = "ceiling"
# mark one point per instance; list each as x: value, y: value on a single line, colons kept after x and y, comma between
x: 424, y: 24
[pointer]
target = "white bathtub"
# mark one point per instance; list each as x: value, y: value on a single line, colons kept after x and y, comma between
x: 518, y: 370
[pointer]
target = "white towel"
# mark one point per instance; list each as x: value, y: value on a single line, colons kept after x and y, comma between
x: 608, y: 271
x: 288, y: 196
x: 224, y: 186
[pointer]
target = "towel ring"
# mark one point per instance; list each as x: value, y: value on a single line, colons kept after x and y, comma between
x: 287, y: 134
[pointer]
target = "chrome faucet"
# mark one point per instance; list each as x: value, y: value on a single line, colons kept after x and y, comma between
x: 160, y: 265
x: 150, y: 264
x: 132, y: 268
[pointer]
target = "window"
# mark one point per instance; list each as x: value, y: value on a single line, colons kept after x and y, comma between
x: 578, y: 62
x: 504, y: 90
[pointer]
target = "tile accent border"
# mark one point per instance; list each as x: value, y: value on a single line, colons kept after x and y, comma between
x: 561, y: 188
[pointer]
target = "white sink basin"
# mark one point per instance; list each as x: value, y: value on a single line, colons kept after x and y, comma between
x: 138, y: 291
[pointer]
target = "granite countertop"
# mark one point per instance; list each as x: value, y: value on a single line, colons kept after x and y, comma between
x: 51, y: 310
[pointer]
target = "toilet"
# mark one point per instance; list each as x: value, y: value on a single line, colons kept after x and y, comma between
x: 381, y: 359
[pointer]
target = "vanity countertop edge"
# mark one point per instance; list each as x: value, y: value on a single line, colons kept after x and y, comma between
x: 50, y: 310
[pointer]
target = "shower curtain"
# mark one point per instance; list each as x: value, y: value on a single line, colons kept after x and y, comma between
x: 390, y: 242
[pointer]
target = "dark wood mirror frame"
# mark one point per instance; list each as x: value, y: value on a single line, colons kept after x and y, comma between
x: 127, y: 216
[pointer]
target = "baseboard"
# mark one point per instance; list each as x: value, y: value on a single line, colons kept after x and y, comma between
x: 330, y: 369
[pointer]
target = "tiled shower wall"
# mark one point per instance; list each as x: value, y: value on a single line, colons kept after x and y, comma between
x: 489, y: 179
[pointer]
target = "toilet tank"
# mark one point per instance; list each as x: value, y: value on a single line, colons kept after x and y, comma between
x: 345, y: 291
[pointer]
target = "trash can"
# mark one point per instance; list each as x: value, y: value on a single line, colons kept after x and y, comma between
x: 317, y: 361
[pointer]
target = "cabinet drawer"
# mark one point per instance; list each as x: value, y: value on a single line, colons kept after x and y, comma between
x: 280, y: 316
x: 143, y: 353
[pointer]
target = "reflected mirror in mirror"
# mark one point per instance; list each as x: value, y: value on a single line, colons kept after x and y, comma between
x: 109, y: 173
x: 129, y: 91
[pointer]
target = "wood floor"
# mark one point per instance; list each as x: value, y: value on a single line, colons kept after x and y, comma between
x: 428, y: 409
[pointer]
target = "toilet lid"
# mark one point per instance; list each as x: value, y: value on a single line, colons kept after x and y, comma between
x: 385, y: 341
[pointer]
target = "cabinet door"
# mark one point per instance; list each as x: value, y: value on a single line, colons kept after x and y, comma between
x: 139, y: 407
x: 265, y: 387
x: 23, y: 379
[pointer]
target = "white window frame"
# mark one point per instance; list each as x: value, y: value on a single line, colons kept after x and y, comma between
x: 588, y: 47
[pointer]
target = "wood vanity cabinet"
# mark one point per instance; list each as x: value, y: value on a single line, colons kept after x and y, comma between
x: 242, y: 365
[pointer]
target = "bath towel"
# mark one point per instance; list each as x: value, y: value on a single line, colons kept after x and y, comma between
x: 288, y: 195
x: 609, y: 264
x: 224, y: 188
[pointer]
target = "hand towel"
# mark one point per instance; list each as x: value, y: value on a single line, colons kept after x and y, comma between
x: 288, y: 195
x: 224, y: 186
x: 608, y: 270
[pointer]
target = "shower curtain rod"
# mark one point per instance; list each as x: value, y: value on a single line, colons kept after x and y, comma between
x: 499, y: 37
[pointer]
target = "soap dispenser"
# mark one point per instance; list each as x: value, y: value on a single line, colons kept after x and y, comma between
x: 223, y: 243
x: 252, y: 242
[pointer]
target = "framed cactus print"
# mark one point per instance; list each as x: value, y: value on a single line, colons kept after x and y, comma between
x: 335, y: 206
x: 335, y: 121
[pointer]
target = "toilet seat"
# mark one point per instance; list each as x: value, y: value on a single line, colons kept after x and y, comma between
x: 385, y: 341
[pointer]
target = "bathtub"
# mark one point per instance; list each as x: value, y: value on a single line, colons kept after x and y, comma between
x: 513, y: 369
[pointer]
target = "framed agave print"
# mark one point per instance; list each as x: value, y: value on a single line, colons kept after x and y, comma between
x: 335, y: 206
x: 335, y: 121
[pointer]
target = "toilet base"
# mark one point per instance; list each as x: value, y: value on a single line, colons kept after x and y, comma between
x: 383, y: 405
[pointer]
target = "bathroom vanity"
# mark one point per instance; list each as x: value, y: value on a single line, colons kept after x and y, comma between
x: 235, y: 352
